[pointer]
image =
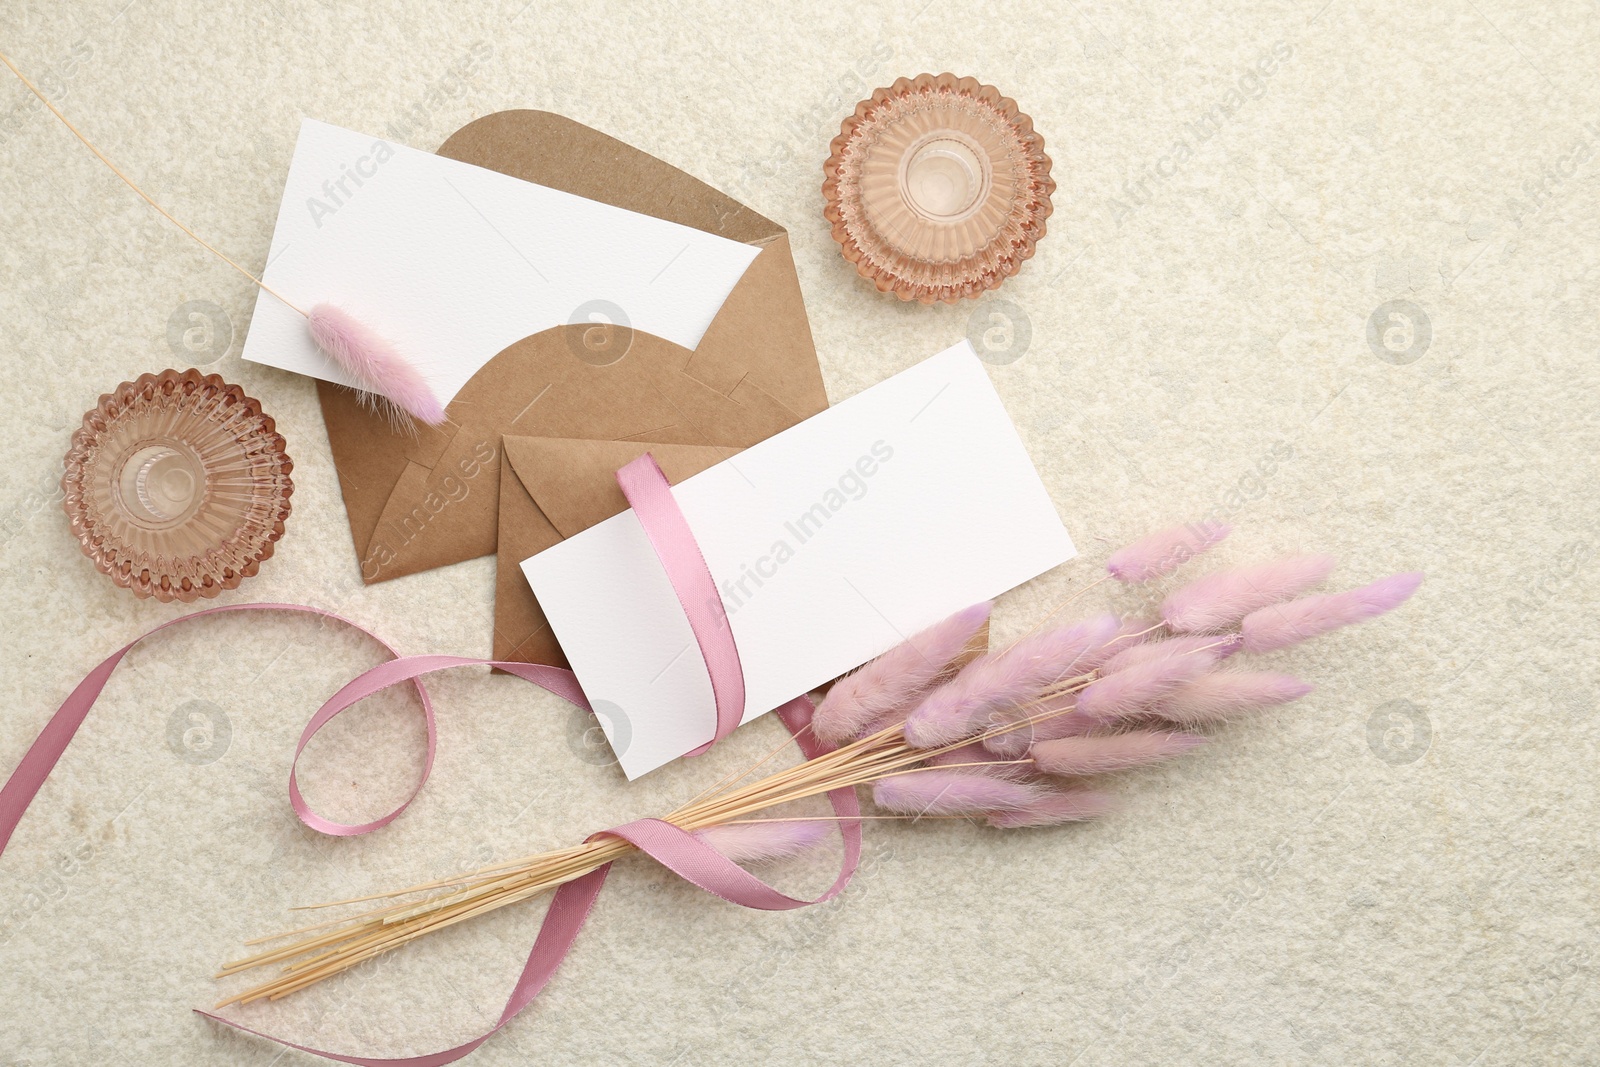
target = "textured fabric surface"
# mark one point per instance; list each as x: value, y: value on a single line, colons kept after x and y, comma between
x: 1326, y: 270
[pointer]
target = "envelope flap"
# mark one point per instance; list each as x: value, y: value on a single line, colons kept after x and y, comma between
x: 552, y: 150
x: 574, y: 482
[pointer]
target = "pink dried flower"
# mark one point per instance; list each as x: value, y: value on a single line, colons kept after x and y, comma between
x: 1071, y: 805
x: 373, y: 362
x: 1282, y: 625
x: 1117, y: 752
x: 893, y: 682
x: 1163, y: 551
x: 1219, y: 601
x: 1134, y: 686
x: 758, y: 842
x: 953, y: 792
x: 1216, y: 697
x: 1218, y: 646
x: 1003, y: 680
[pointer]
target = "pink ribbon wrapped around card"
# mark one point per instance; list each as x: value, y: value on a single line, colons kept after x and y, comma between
x: 648, y: 494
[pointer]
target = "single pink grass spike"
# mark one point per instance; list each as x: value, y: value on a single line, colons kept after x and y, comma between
x: 1071, y: 805
x: 1219, y: 601
x: 759, y: 842
x: 972, y: 753
x: 895, y: 680
x: 373, y: 362
x: 1214, y: 698
x: 1002, y: 681
x: 1282, y: 625
x: 1163, y: 551
x: 952, y: 792
x: 1133, y: 687
x: 1116, y: 752
x: 1220, y: 646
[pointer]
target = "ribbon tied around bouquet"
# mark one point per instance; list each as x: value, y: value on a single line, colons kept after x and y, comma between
x: 686, y: 855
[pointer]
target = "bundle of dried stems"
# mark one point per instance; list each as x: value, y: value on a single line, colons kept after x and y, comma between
x: 939, y: 729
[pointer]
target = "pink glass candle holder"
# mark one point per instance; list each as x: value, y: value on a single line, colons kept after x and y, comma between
x: 177, y: 485
x: 937, y: 188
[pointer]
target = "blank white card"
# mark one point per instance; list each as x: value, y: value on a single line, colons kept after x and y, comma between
x: 452, y: 263
x: 831, y: 542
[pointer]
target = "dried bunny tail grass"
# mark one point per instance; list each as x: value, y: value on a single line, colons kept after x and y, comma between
x: 1134, y: 686
x: 1214, y: 698
x: 894, y: 680
x: 374, y: 363
x: 1164, y: 551
x: 1218, y: 646
x: 1117, y: 752
x: 763, y: 842
x: 1073, y: 805
x: 999, y: 680
x: 950, y: 792
x: 1220, y: 601
x: 1282, y: 625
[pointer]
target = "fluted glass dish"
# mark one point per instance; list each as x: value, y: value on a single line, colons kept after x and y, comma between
x: 177, y: 485
x: 937, y: 188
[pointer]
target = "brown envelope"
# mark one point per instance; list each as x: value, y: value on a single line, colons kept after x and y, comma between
x: 417, y: 501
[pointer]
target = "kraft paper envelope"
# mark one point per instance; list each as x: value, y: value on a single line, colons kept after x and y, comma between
x: 830, y: 543
x: 426, y: 499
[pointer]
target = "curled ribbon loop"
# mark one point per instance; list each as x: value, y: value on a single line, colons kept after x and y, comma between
x: 679, y: 851
x: 407, y: 669
x: 53, y: 740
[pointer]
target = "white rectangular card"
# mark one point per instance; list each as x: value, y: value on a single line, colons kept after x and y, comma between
x: 832, y: 542
x: 453, y: 263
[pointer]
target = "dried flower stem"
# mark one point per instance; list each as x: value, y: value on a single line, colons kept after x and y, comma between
x: 129, y: 182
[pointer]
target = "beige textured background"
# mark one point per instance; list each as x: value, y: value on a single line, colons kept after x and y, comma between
x: 1399, y: 870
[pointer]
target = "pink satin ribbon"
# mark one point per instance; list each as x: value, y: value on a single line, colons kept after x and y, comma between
x: 652, y: 501
x: 680, y: 852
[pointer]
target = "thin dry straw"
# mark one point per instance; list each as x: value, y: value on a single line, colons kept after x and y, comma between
x: 130, y: 184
